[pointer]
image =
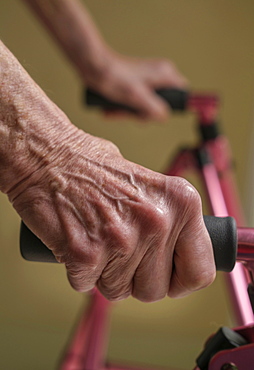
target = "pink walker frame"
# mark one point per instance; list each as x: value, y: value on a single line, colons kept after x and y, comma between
x: 88, y: 346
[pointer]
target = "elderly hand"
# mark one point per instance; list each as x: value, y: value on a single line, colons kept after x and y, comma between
x: 126, y: 80
x: 133, y: 81
x: 116, y: 225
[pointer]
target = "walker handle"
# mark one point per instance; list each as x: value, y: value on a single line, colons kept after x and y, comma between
x: 222, y: 231
x: 177, y: 99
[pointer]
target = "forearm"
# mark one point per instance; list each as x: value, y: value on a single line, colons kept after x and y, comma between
x: 29, y: 123
x: 129, y: 81
x: 73, y: 28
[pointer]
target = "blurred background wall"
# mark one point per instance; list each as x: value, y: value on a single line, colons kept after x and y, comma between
x: 212, y: 44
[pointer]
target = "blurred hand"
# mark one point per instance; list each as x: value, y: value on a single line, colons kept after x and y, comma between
x: 132, y: 81
x: 126, y: 80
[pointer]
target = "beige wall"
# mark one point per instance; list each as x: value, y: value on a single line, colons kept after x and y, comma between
x: 212, y: 43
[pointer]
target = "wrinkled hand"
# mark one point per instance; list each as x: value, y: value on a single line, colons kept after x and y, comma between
x: 132, y: 81
x: 114, y: 224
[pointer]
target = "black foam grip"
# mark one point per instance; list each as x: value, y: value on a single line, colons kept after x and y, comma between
x: 177, y: 99
x: 223, y: 233
x: 32, y: 248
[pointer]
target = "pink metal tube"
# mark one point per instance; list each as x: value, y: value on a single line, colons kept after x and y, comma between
x: 220, y: 153
x: 245, y: 244
x: 87, y: 350
x: 237, y: 280
x: 214, y: 192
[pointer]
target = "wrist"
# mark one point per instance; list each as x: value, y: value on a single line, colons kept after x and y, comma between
x: 30, y: 146
x: 95, y: 66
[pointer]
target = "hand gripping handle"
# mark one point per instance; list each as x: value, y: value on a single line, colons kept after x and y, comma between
x: 222, y: 231
x: 177, y: 99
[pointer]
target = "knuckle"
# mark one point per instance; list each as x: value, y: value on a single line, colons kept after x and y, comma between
x: 79, y: 279
x: 186, y: 195
x: 158, y: 218
x: 148, y: 297
x: 133, y: 95
x: 201, y: 280
x: 121, y: 243
x: 115, y: 297
x: 154, y: 207
x: 114, y: 291
x: 165, y: 67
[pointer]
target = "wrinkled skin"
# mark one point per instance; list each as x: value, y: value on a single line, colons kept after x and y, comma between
x: 114, y: 224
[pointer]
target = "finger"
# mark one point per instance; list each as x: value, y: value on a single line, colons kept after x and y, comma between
x: 79, y: 251
x: 81, y: 276
x: 144, y: 101
x: 194, y: 266
x: 115, y: 282
x: 148, y: 103
x: 163, y: 73
x: 84, y: 264
x: 142, y: 98
x: 151, y: 280
x: 122, y: 114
